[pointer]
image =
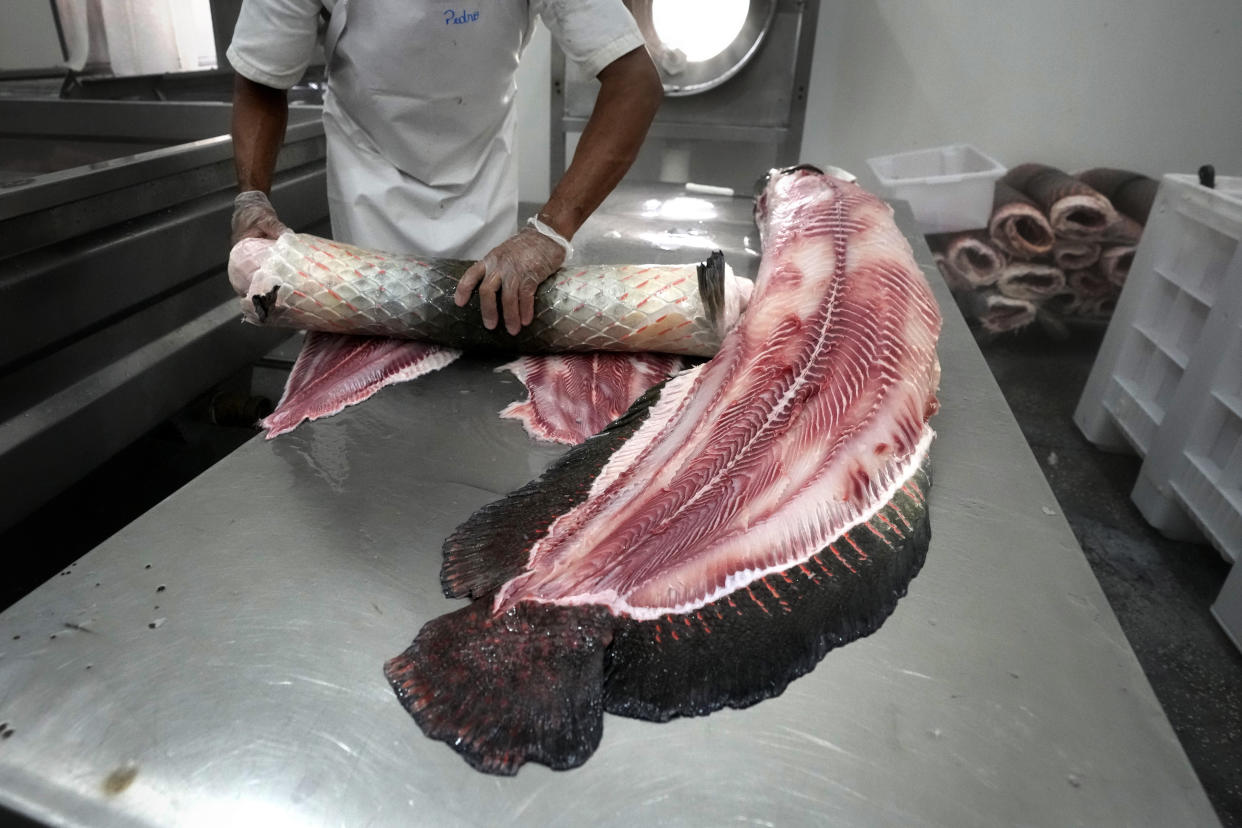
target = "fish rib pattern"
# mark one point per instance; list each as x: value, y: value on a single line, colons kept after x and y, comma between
x: 334, y: 371
x: 573, y: 396
x: 814, y: 406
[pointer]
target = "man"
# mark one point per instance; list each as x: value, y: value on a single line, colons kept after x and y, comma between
x: 419, y: 117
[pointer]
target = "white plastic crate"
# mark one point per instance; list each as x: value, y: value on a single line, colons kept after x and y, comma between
x: 948, y: 188
x: 1168, y: 379
x: 1228, y: 606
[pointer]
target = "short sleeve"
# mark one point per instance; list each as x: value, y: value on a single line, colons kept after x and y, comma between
x: 592, y: 33
x: 274, y: 40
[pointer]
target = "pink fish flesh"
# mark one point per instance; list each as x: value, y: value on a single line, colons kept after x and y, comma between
x: 573, y: 396
x: 334, y: 371
x: 714, y: 542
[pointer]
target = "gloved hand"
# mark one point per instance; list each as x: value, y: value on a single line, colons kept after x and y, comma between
x: 254, y: 217
x: 515, y: 268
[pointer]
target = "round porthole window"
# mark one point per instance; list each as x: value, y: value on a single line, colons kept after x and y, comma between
x: 700, y: 29
x: 699, y: 44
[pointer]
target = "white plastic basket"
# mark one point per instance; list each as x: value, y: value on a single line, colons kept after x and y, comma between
x: 948, y: 188
x: 1167, y: 381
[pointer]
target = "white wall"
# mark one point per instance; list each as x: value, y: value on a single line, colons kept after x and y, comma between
x: 1152, y: 85
x: 533, y: 129
x: 28, y: 35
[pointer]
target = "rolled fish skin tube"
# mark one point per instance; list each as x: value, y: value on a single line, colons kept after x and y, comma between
x: 305, y: 282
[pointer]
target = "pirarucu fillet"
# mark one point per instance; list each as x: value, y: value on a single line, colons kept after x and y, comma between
x: 309, y: 283
x: 574, y: 396
x: 716, y: 540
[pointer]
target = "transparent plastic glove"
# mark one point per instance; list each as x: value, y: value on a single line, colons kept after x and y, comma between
x: 514, y: 269
x: 254, y: 217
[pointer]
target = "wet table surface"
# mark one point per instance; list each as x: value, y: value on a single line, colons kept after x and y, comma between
x: 219, y: 659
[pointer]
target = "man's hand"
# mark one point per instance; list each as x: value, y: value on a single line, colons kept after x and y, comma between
x: 514, y: 269
x: 254, y: 217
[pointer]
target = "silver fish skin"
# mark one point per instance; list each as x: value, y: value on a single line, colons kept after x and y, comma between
x: 305, y: 282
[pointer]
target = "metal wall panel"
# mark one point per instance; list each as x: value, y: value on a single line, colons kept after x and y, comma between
x: 114, y: 298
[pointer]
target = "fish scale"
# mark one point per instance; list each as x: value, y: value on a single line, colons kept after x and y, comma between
x: 309, y: 283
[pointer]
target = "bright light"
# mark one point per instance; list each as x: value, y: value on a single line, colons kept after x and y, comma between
x: 679, y: 208
x: 680, y: 240
x: 701, y: 29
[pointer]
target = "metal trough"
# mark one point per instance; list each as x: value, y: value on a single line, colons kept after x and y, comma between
x: 116, y: 312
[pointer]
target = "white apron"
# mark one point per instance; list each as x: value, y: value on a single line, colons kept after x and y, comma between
x: 419, y: 117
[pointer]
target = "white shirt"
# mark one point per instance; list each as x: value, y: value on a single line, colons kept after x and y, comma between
x: 419, y: 114
x: 274, y: 40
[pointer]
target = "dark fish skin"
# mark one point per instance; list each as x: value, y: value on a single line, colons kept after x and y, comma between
x: 1131, y: 193
x: 1045, y: 185
x: 532, y: 684
x: 1074, y: 209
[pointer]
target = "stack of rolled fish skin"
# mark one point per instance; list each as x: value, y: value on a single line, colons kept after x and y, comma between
x: 1057, y: 246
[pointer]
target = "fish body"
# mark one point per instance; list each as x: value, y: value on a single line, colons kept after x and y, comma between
x: 309, y: 283
x: 714, y: 542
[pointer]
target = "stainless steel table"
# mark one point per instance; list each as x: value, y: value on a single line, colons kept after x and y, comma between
x: 218, y: 661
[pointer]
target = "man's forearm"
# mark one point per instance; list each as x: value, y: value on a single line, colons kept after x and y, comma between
x: 630, y: 93
x: 260, y: 114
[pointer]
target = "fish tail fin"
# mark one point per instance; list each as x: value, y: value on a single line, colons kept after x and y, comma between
x: 502, y: 690
x: 712, y: 278
x: 265, y: 304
